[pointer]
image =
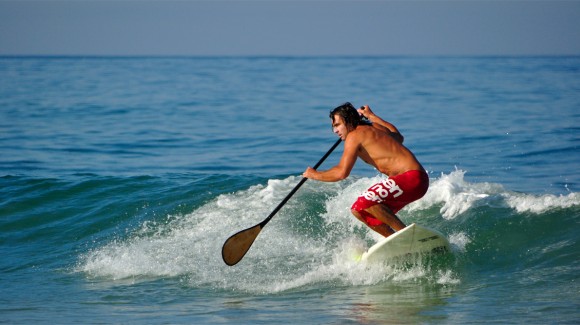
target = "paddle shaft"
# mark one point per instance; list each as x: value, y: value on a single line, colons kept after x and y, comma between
x: 238, y: 244
x: 302, y: 181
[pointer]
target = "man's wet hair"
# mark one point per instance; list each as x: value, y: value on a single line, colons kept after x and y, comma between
x: 351, y: 117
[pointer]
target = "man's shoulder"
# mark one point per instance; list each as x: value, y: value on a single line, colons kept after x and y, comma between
x: 359, y: 135
x: 363, y: 128
x: 366, y: 131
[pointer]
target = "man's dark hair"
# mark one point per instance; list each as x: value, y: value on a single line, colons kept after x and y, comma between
x: 350, y: 115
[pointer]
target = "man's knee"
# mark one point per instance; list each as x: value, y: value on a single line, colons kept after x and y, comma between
x: 357, y: 215
x: 366, y: 217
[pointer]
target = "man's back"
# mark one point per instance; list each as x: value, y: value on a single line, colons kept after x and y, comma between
x: 380, y: 149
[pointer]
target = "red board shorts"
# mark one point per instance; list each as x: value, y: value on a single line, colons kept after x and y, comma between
x: 394, y: 192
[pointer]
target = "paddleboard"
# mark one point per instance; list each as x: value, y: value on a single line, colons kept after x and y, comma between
x: 412, y: 239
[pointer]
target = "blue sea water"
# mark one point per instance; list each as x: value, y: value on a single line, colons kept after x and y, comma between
x: 121, y: 178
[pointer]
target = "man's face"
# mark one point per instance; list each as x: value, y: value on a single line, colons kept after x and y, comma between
x: 339, y: 127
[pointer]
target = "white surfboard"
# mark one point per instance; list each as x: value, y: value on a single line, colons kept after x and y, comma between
x: 412, y: 239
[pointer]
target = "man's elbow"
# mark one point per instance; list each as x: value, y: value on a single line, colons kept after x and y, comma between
x: 399, y: 137
x: 342, y: 175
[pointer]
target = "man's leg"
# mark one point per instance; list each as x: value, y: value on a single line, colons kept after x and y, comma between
x: 382, y: 213
x: 383, y: 229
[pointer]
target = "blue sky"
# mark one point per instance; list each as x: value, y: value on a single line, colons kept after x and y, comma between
x: 277, y: 27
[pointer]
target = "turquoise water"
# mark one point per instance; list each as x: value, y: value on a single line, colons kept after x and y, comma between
x: 121, y: 178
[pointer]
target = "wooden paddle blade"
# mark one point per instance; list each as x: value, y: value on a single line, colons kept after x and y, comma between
x: 238, y: 245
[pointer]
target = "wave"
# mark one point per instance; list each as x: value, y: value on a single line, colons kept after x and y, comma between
x: 459, y: 196
x: 312, y: 239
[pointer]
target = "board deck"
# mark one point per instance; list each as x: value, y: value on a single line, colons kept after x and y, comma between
x: 411, y: 240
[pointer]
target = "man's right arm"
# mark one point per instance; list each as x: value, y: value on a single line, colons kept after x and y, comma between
x: 381, y: 124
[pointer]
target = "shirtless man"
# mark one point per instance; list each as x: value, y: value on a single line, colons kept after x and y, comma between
x: 379, y: 144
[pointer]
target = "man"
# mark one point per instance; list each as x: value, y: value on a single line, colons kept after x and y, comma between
x: 379, y: 144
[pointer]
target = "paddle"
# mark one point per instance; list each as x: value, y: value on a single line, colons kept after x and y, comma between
x: 238, y: 244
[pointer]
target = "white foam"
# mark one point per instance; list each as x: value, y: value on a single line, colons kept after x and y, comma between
x: 190, y: 245
x: 447, y: 277
x: 539, y: 204
x: 459, y: 241
x: 456, y: 195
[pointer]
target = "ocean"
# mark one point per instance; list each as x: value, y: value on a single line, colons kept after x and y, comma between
x: 122, y: 177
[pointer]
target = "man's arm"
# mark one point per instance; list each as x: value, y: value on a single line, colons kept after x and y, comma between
x: 381, y: 124
x: 344, y: 167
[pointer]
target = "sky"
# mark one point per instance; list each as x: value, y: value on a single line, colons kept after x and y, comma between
x: 289, y: 28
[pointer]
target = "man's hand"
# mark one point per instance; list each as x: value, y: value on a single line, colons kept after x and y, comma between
x: 365, y: 111
x: 309, y: 172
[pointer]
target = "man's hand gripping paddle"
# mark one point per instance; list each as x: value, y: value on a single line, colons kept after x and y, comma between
x: 238, y: 244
